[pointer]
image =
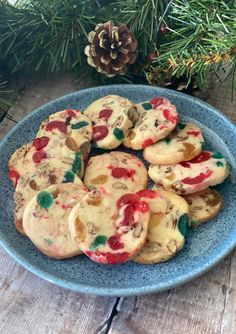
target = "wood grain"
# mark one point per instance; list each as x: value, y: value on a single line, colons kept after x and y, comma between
x: 194, y: 308
x: 29, y: 304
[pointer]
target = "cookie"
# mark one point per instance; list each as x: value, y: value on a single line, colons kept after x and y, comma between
x: 157, y: 118
x: 118, y: 172
x: 18, y: 163
x: 72, y: 127
x: 207, y: 169
x: 112, y: 116
x: 183, y: 144
x: 32, y: 182
x: 168, y: 226
x: 45, y: 219
x: 45, y: 151
x: 204, y: 205
x: 109, y: 230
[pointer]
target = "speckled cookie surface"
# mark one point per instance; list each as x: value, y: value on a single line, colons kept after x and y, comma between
x: 183, y: 144
x: 119, y: 172
x: 168, y: 226
x: 71, y: 126
x: 43, y: 153
x: 207, y: 245
x: 112, y: 116
x: 45, y: 219
x: 32, y: 182
x: 157, y: 118
x: 207, y: 169
x: 109, y: 230
x: 204, y: 205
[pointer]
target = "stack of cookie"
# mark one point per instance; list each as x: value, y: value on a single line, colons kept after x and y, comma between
x: 105, y: 210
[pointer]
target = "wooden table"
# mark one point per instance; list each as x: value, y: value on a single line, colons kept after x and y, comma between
x: 31, y: 305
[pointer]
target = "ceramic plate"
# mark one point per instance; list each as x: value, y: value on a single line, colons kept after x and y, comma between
x: 206, y: 245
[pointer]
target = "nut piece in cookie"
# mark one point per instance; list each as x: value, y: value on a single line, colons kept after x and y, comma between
x: 168, y: 226
x: 109, y: 230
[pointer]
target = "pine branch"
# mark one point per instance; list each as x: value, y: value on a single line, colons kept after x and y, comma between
x: 200, y: 38
x: 48, y: 35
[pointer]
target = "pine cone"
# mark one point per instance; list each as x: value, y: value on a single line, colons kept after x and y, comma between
x: 111, y: 49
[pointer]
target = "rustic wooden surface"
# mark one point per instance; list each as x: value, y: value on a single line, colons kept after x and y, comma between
x: 29, y: 304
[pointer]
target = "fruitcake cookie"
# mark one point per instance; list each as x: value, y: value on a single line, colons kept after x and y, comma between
x: 43, y: 151
x: 30, y: 183
x: 183, y: 144
x: 168, y: 226
x: 112, y: 116
x: 207, y: 169
x: 71, y: 126
x: 45, y: 219
x: 157, y: 119
x: 204, y: 205
x: 108, y: 230
x: 118, y: 172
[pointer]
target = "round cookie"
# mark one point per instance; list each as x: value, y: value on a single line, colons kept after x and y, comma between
x: 204, y: 205
x: 45, y: 219
x: 73, y: 128
x: 44, y: 151
x: 117, y: 171
x: 112, y: 116
x: 109, y: 230
x: 184, y: 143
x: 30, y: 183
x: 157, y: 118
x: 207, y: 169
x: 168, y: 226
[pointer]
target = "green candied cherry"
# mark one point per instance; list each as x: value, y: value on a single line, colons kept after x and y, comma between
x: 119, y: 134
x: 79, y: 125
x: 167, y: 140
x: 181, y: 126
x: 183, y: 224
x: 77, y: 166
x: 45, y: 199
x: 98, y: 241
x: 220, y: 164
x: 147, y: 106
x: 69, y: 176
x: 217, y: 155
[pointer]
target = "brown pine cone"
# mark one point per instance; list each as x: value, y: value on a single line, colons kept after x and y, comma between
x: 112, y: 48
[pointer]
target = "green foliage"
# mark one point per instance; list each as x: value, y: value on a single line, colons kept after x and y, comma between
x: 185, y: 38
x: 200, y: 38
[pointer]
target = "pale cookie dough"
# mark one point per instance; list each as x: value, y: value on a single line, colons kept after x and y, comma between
x: 168, y: 226
x: 118, y: 172
x: 107, y: 230
x: 45, y: 219
x: 204, y: 205
x: 44, y: 151
x: 32, y: 182
x: 184, y: 143
x: 157, y: 118
x: 71, y: 126
x: 112, y: 116
x: 207, y: 169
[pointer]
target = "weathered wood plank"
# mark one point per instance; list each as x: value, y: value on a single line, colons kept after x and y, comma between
x: 195, y: 308
x: 229, y: 316
x: 32, y: 305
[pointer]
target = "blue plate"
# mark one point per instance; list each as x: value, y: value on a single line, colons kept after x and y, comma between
x: 206, y: 246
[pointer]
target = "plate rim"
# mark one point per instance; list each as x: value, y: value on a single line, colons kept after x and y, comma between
x: 229, y: 243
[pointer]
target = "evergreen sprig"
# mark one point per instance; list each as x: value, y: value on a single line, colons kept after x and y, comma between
x: 200, y: 37
x: 177, y: 38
